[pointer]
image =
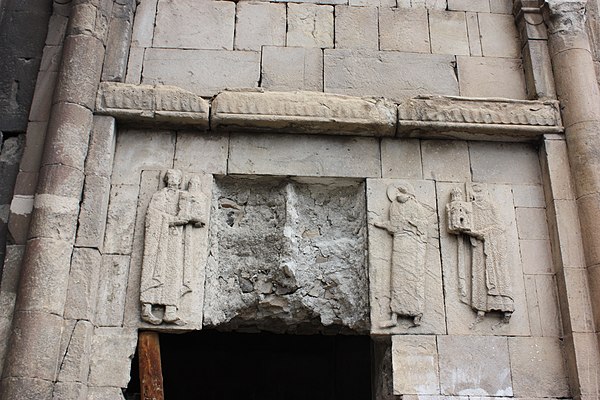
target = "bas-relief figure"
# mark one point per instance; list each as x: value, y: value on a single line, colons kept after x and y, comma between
x: 408, y: 226
x: 484, y: 284
x: 173, y: 217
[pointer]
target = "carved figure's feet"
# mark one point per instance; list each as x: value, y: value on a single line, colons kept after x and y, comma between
x: 171, y: 316
x: 507, y: 316
x: 148, y: 316
x: 478, y: 319
x: 393, y: 321
x: 417, y: 320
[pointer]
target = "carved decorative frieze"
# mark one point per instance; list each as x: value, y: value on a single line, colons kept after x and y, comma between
x: 304, y: 112
x: 497, y: 119
x: 175, y: 252
x: 484, y: 280
x: 168, y: 104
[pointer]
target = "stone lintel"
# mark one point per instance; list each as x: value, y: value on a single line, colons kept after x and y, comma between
x: 304, y: 112
x: 478, y: 119
x: 166, y: 105
x: 443, y: 117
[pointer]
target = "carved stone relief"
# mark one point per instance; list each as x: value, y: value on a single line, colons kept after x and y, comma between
x: 408, y: 225
x: 174, y: 255
x: 405, y: 276
x: 484, y: 283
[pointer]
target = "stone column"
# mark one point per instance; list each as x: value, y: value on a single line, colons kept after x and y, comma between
x: 32, y: 360
x: 577, y: 90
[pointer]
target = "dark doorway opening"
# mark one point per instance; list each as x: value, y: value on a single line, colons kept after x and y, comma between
x: 210, y: 365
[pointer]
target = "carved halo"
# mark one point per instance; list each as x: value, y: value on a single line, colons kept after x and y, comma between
x: 393, y: 189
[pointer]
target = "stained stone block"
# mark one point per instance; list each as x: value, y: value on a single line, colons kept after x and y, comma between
x: 501, y: 6
x: 92, y: 215
x: 556, y: 170
x: 309, y: 25
x: 120, y: 219
x: 404, y: 30
x: 74, y: 366
x: 213, y: 148
x: 137, y: 150
x: 189, y: 69
x: 401, y: 158
x: 531, y: 223
x: 356, y: 28
x: 70, y: 390
x: 26, y: 388
x: 461, y: 318
x: 481, y: 6
x: 491, y: 77
x: 448, y: 32
x: 111, y: 291
x: 185, y: 24
x: 563, y: 222
x: 259, y: 24
x: 415, y: 365
x: 533, y: 305
x: 294, y: 155
x: 550, y: 316
x: 282, y: 264
x: 83, y: 284
x: 105, y: 393
x: 536, y: 256
x: 101, y: 149
x: 110, y: 358
x: 425, y: 292
x: 394, y: 75
x: 473, y: 33
x: 143, y: 24
x: 504, y: 163
x: 538, y: 367
x: 575, y: 297
x: 446, y: 161
x: 529, y: 196
x: 292, y: 68
x: 474, y: 366
x: 134, y: 65
x: 499, y: 36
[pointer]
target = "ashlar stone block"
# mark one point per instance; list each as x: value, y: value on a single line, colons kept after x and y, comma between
x: 504, y: 163
x: 415, y: 365
x: 459, y: 276
x: 446, y: 161
x: 501, y: 6
x: 482, y: 6
x: 474, y: 366
x: 491, y: 77
x: 356, y: 27
x: 292, y: 68
x: 499, y: 36
x: 529, y: 196
x: 404, y: 30
x: 538, y: 367
x: 186, y: 24
x: 448, y: 32
x: 259, y: 24
x: 271, y: 154
x: 388, y: 262
x: 83, y: 284
x: 189, y: 69
x: 531, y: 223
x: 309, y: 25
x: 93, y: 211
x: 120, y: 219
x: 474, y: 34
x: 111, y: 290
x: 394, y: 75
x: 536, y: 256
x: 213, y: 147
x: 110, y: 360
x: 401, y: 158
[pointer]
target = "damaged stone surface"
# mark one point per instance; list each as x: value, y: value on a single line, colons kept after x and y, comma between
x: 287, y: 256
x: 303, y: 112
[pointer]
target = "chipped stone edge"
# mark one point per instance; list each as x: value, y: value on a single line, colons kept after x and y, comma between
x: 332, y: 114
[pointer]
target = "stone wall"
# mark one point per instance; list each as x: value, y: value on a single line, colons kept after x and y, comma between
x: 363, y: 48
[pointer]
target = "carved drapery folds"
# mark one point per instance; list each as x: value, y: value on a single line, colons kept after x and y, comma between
x: 174, y: 256
x: 483, y: 273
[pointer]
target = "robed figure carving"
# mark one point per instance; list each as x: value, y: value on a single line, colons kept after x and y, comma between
x: 485, y: 284
x: 408, y: 224
x: 173, y: 215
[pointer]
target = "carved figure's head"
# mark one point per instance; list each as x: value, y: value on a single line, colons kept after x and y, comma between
x: 478, y: 192
x: 173, y: 178
x: 195, y: 184
x: 456, y: 194
x: 401, y: 192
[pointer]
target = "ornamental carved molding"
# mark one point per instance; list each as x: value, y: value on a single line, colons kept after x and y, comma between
x: 331, y: 114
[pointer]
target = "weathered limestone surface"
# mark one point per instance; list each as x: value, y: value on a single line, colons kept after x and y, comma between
x: 180, y: 25
x: 474, y: 366
x: 368, y: 72
x: 111, y: 290
x: 303, y: 112
x: 189, y: 69
x: 111, y: 352
x: 401, y: 158
x: 448, y: 32
x: 445, y: 161
x: 292, y: 68
x: 259, y: 24
x: 309, y: 25
x: 201, y: 152
x: 84, y: 278
x: 287, y: 256
x: 356, y: 27
x: 74, y: 366
x: 415, y: 365
x: 278, y: 154
x: 491, y: 77
x: 504, y: 163
x: 404, y: 30
x: 159, y: 103
x: 499, y: 36
x: 120, y: 219
x: 380, y: 262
